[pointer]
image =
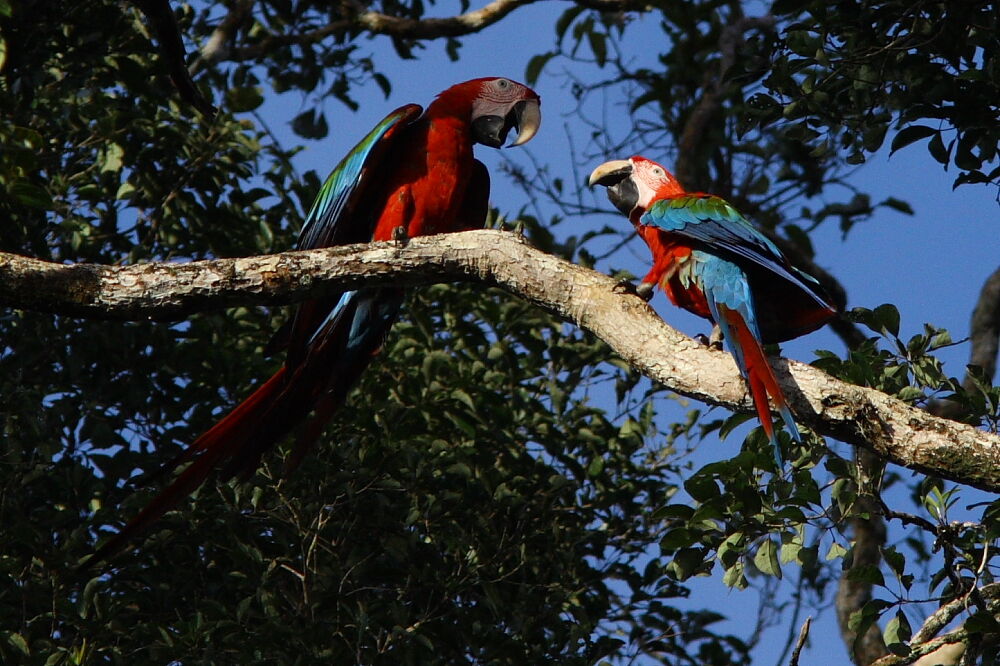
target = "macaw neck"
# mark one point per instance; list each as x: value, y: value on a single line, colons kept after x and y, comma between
x: 449, y: 131
x: 669, y: 190
x: 457, y: 128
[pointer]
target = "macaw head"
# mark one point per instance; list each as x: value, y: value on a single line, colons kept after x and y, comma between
x: 496, y: 105
x: 634, y: 184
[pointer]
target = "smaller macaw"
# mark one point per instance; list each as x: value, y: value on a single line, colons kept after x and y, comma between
x: 711, y: 261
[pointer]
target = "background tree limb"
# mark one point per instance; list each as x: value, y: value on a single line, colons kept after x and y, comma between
x: 860, y: 416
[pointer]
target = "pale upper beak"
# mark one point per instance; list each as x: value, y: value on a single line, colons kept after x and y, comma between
x: 610, y: 173
x: 527, y: 120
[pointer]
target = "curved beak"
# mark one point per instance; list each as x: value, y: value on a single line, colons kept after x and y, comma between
x: 610, y: 173
x: 616, y: 175
x: 525, y: 116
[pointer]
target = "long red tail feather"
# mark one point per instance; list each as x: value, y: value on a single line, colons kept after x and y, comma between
x: 762, y: 381
x: 221, y: 441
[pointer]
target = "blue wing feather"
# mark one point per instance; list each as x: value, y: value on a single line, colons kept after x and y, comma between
x: 725, y: 284
x: 345, y: 183
x: 711, y: 221
x: 341, y: 214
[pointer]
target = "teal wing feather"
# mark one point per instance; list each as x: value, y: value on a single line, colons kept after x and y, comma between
x: 342, y: 214
x: 713, y: 223
x: 328, y: 221
x: 726, y: 287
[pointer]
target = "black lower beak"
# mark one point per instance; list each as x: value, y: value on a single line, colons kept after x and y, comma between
x: 492, y: 131
x: 624, y: 195
x: 616, y: 176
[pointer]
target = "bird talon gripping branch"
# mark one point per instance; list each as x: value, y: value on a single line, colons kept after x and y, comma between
x: 400, y: 236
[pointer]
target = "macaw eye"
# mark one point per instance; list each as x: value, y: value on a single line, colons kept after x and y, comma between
x: 657, y: 171
x: 503, y: 84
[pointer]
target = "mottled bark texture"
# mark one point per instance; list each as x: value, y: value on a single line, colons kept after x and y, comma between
x: 860, y: 416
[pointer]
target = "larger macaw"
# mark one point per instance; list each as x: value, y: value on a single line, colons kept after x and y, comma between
x: 414, y: 174
x: 711, y: 261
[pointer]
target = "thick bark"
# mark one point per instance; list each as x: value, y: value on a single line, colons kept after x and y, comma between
x: 868, y: 532
x: 860, y: 416
x: 984, y: 340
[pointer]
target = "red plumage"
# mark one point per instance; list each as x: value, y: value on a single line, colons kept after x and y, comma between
x: 415, y: 173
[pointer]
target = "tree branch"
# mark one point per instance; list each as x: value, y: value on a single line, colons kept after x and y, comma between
x: 984, y: 338
x: 984, y: 329
x: 378, y: 23
x: 860, y: 416
x: 688, y: 166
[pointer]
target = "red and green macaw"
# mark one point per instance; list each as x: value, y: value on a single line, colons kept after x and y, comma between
x: 711, y: 261
x: 414, y: 174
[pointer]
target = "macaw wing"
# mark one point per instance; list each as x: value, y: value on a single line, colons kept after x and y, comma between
x: 330, y: 219
x: 338, y: 216
x: 710, y: 223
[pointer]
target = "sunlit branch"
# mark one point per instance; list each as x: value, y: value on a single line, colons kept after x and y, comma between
x: 860, y: 416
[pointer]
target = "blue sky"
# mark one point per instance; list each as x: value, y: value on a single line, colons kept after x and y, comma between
x: 931, y: 265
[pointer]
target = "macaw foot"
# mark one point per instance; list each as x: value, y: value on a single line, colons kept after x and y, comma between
x: 627, y: 287
x: 518, y: 229
x: 713, y: 341
x: 645, y: 290
x: 399, y: 235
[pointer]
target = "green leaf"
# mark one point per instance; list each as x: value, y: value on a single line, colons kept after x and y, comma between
x: 310, y: 125
x: 836, y: 551
x: 686, y: 563
x: 910, y: 394
x: 908, y: 135
x: 566, y: 19
x: 866, y: 573
x: 937, y: 149
x: 383, y: 84
x: 17, y: 642
x: 125, y: 191
x: 30, y: 194
x: 702, y: 488
x: 676, y: 539
x: 244, y: 98
x: 766, y: 558
x: 874, y: 136
x: 535, y: 66
x: 898, y: 204
x: 464, y: 398
x: 598, y: 44
x: 790, y: 552
x: 855, y: 158
x: 734, y: 577
x: 863, y: 618
x: 888, y: 318
x: 111, y: 160
x: 897, y: 630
